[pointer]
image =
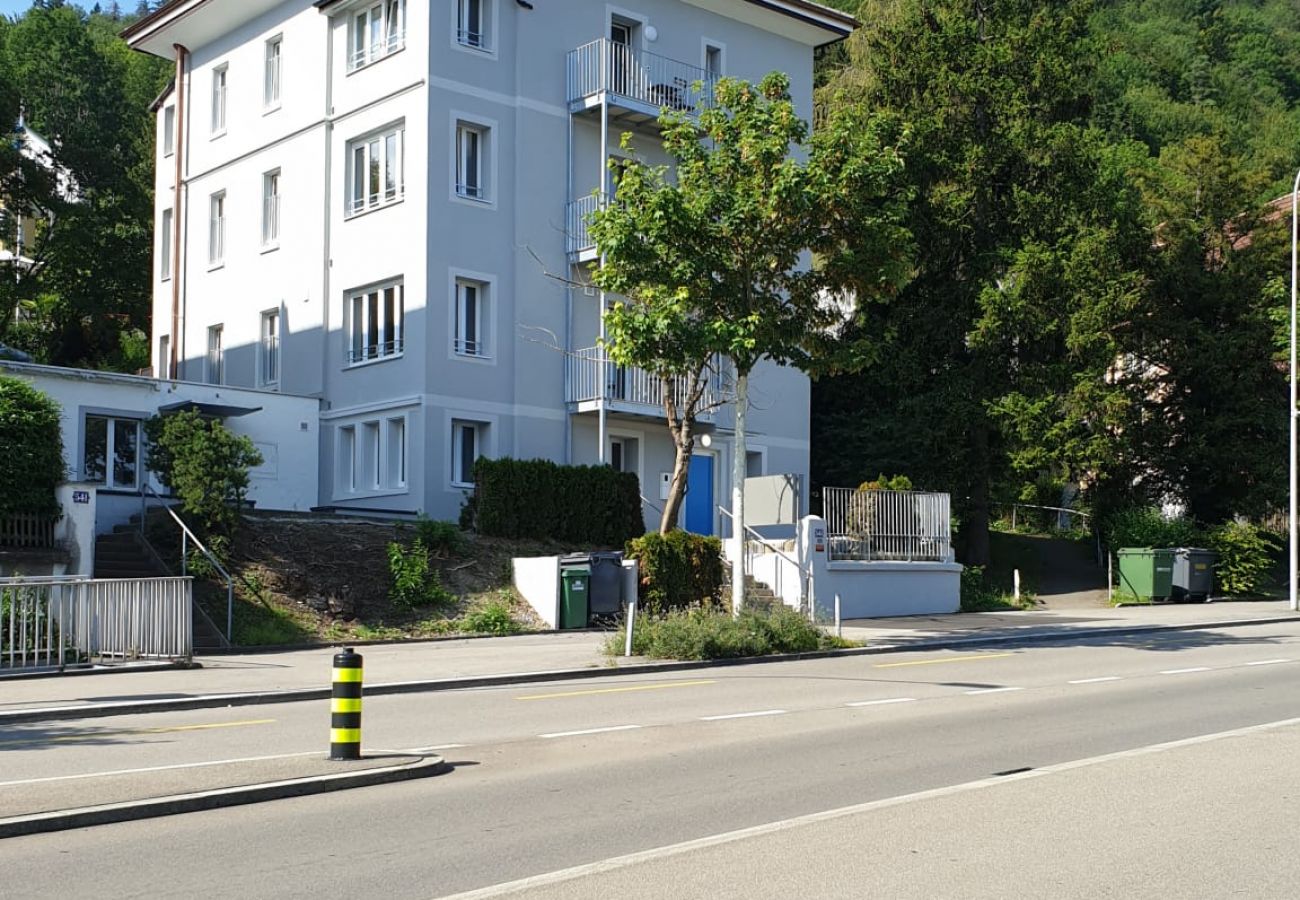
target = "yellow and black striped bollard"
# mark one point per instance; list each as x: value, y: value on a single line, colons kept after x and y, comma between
x: 345, y: 706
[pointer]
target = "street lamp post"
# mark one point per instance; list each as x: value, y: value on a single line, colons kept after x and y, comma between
x: 1291, y: 411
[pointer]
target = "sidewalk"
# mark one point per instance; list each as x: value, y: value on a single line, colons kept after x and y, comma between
x: 443, y: 665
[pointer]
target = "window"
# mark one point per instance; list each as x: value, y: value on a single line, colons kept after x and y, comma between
x: 466, y: 447
x: 111, y: 454
x: 271, y: 91
x: 377, y: 30
x: 270, y: 348
x: 376, y: 172
x: 219, y: 100
x: 471, y: 159
x: 375, y: 322
x: 713, y: 61
x: 624, y: 454
x: 271, y: 209
x: 371, y: 456
x: 164, y: 369
x: 369, y: 479
x: 347, y: 461
x: 165, y: 245
x: 169, y: 129
x: 217, y: 229
x: 216, y: 356
x: 395, y: 472
x: 472, y: 23
x: 471, y: 319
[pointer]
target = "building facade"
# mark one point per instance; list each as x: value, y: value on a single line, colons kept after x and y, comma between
x: 381, y: 204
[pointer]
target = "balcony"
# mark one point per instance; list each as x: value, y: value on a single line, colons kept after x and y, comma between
x: 591, y: 376
x: 637, y: 84
x: 580, y: 245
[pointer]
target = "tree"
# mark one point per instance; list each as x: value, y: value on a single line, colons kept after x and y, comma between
x: 204, y: 463
x: 31, y: 466
x: 711, y: 255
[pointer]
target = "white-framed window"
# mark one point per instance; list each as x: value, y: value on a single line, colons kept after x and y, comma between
x: 269, y: 348
x: 274, y: 68
x: 220, y: 75
x: 473, y: 144
x: 471, y: 334
x: 376, y: 170
x: 217, y: 229
x: 371, y: 456
x: 165, y: 245
x: 215, y: 364
x: 375, y: 322
x: 169, y: 129
x: 377, y: 30
x: 271, y: 209
x: 164, y: 357
x: 467, y: 443
x: 395, y: 438
x: 368, y: 476
x: 111, y: 452
x: 346, y: 476
x: 473, y: 24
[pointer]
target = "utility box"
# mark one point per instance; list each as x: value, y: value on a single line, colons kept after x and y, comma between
x: 575, y: 587
x: 1146, y: 573
x: 1193, y: 573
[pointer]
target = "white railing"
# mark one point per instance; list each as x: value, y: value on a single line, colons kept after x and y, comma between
x: 756, y: 545
x: 54, y: 622
x: 577, y: 216
x: 592, y: 375
x: 657, y: 81
x: 188, y: 537
x: 373, y: 52
x: 887, y: 525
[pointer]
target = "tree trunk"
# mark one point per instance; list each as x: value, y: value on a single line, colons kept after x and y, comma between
x: 738, y: 497
x: 684, y: 443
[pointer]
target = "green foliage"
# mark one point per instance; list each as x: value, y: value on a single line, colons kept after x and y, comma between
x: 31, y: 464
x: 979, y: 594
x: 441, y: 539
x: 714, y: 634
x: 887, y: 483
x: 493, y: 617
x: 540, y: 499
x: 678, y: 569
x: 204, y: 464
x: 1146, y: 526
x: 415, y: 583
x: 1245, y: 557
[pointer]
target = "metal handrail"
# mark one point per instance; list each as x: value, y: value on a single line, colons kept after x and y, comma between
x: 186, y: 536
x: 801, y: 569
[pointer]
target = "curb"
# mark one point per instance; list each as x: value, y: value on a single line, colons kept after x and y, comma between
x: 86, y: 817
x: 295, y: 695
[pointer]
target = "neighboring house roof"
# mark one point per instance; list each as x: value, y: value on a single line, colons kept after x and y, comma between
x: 205, y: 23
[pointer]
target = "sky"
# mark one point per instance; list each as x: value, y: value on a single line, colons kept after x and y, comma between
x: 13, y: 7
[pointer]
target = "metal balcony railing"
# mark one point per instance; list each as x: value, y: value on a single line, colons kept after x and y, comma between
x: 593, y: 376
x: 638, y: 75
x: 576, y: 217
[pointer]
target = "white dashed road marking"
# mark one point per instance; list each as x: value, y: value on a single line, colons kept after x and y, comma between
x: 997, y: 690
x: 1095, y: 680
x: 1267, y: 662
x: 1185, y: 671
x: 744, y: 715
x: 560, y: 734
x: 881, y: 702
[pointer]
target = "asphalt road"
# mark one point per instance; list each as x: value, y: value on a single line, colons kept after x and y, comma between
x: 556, y: 776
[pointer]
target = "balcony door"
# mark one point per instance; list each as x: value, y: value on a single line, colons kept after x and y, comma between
x: 622, y: 37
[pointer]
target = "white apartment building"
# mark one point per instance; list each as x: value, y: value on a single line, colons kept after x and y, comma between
x: 368, y: 201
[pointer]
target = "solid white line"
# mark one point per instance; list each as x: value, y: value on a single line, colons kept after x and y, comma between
x: 437, y: 747
x: 1001, y: 690
x: 1267, y: 662
x: 559, y: 734
x: 195, y: 765
x: 744, y: 715
x: 1185, y: 671
x: 1094, y: 680
x: 632, y: 859
x: 881, y: 702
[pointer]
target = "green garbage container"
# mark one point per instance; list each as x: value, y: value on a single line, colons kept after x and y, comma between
x: 575, y: 582
x: 1146, y: 573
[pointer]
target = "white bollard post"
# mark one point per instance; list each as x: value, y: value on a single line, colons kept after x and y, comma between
x: 631, y: 622
x: 838, y: 628
x: 1015, y: 585
x: 1110, y: 579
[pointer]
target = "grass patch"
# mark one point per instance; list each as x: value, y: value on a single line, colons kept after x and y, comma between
x: 980, y: 594
x: 714, y: 634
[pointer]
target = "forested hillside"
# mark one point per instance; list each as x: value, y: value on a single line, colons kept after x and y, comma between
x: 1100, y: 298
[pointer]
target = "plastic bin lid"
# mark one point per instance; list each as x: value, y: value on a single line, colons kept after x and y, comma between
x: 575, y: 559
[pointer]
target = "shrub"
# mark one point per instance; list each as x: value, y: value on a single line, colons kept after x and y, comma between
x: 415, y: 583
x: 1245, y: 557
x: 677, y: 570
x: 979, y: 594
x: 31, y: 465
x: 714, y: 634
x: 1148, y: 527
x: 492, y: 617
x: 887, y: 483
x: 204, y: 463
x: 442, y: 539
x: 541, y: 499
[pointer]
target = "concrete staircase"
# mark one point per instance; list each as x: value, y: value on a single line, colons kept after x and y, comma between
x: 122, y: 555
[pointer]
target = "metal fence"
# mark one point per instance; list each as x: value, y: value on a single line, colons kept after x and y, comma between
x: 887, y: 525
x: 55, y: 622
x: 648, y: 78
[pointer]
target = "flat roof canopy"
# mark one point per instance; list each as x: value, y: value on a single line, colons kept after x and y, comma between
x: 214, y: 410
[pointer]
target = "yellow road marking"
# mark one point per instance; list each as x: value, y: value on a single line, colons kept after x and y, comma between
x: 950, y: 659
x: 92, y: 735
x: 617, y: 690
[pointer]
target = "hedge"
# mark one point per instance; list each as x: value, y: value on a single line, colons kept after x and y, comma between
x: 31, y: 464
x: 537, y: 498
x: 677, y: 570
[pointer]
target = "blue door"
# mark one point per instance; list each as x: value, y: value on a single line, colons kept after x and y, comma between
x: 699, y: 495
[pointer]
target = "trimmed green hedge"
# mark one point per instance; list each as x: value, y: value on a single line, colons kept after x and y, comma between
x: 31, y: 464
x: 677, y: 570
x: 537, y: 498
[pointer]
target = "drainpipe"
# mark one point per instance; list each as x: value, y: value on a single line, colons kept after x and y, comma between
x: 177, y: 213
